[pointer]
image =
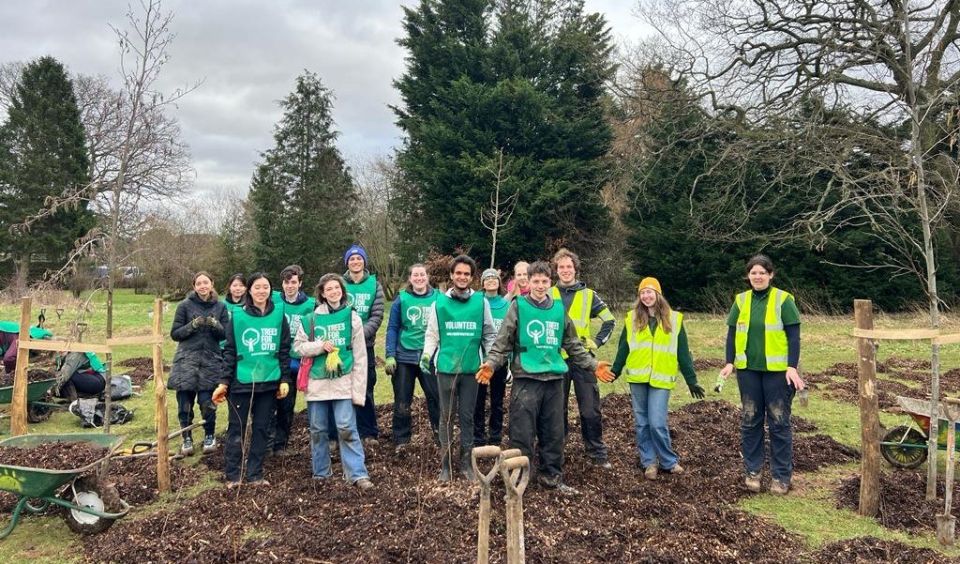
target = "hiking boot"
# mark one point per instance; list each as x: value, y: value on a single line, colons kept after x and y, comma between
x: 186, y: 449
x: 363, y: 484
x: 370, y: 442
x: 446, y: 472
x: 466, y: 466
x: 779, y: 488
x: 677, y: 469
x: 605, y: 464
x: 752, y: 482
x: 549, y: 482
x: 650, y: 472
x: 567, y: 490
x: 209, y: 444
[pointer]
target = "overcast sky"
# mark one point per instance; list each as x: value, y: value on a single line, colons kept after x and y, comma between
x: 248, y: 55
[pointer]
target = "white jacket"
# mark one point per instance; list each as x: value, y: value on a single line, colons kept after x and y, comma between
x: 352, y: 386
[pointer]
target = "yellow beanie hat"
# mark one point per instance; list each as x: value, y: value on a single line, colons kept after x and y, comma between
x: 650, y: 282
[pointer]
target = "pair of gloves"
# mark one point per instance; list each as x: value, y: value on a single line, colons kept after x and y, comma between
x: 220, y: 393
x: 603, y: 372
x: 209, y: 321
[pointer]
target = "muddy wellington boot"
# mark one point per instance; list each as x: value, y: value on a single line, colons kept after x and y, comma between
x: 446, y: 470
x: 466, y: 465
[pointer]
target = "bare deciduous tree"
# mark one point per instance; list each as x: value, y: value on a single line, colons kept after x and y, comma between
x: 496, y: 216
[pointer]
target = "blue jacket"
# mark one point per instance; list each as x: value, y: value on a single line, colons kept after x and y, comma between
x: 394, y: 348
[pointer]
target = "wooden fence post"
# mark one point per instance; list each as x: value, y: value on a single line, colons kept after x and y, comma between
x: 18, y: 407
x: 160, y: 395
x: 869, y: 413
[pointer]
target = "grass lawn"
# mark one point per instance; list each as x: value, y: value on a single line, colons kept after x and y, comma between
x: 809, y: 511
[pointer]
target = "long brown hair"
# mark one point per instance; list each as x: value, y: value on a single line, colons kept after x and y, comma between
x: 641, y: 317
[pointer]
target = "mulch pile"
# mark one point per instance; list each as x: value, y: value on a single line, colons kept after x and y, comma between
x: 53, y: 455
x: 708, y: 364
x: 902, y: 500
x: 142, y: 369
x: 839, y: 382
x: 863, y: 550
x: 410, y: 517
x: 33, y: 375
x: 136, y: 478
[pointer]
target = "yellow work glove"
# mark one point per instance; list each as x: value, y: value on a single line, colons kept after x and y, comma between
x: 283, y: 391
x: 603, y: 372
x: 220, y: 394
x: 485, y: 373
x: 333, y: 364
x: 590, y: 345
x: 390, y: 366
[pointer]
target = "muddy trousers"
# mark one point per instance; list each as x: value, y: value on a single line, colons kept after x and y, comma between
x: 536, y: 415
x: 587, y: 391
x: 255, y: 409
x: 766, y: 396
x: 495, y: 390
x: 404, y: 380
x: 458, y: 394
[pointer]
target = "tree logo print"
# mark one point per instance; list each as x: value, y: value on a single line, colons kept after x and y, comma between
x: 250, y: 338
x: 535, y: 330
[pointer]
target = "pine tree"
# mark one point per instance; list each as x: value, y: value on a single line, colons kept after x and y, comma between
x: 304, y: 201
x: 42, y: 154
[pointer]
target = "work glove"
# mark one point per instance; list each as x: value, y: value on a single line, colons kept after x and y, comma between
x: 283, y: 391
x: 425, y: 363
x: 696, y: 390
x: 213, y: 322
x: 603, y: 372
x: 485, y: 373
x: 333, y: 364
x: 390, y: 366
x: 590, y: 345
x: 220, y: 394
x: 198, y: 322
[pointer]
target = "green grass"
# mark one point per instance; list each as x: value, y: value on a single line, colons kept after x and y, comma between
x: 808, y: 512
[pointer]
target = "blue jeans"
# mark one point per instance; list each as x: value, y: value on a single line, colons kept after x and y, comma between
x: 650, y: 420
x: 766, y: 395
x: 351, y: 449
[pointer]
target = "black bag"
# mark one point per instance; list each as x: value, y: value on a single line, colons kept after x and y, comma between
x: 91, y: 412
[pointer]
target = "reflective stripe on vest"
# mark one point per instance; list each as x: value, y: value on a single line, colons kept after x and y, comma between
x: 336, y: 327
x: 579, y: 313
x: 539, y: 337
x: 361, y: 295
x: 653, y: 357
x: 460, y: 326
x: 774, y: 337
x: 258, y: 343
x: 413, y: 321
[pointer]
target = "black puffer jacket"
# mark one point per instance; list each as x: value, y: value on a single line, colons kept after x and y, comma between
x: 198, y: 363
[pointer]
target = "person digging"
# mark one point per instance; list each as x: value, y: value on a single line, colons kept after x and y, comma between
x: 536, y: 329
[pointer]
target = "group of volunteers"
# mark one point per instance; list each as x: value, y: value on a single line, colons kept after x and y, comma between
x: 257, y: 348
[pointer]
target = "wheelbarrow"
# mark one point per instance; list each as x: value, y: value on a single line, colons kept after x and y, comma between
x: 37, y: 410
x: 905, y: 446
x: 91, y: 506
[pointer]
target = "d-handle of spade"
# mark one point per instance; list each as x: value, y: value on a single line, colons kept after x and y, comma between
x: 483, y: 524
x: 515, y: 472
x: 946, y: 523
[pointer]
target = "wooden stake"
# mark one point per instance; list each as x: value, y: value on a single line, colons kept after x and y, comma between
x: 869, y: 413
x: 18, y: 408
x: 160, y: 394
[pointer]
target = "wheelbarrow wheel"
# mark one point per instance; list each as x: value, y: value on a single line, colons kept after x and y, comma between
x: 907, y: 457
x: 38, y: 413
x: 95, y: 495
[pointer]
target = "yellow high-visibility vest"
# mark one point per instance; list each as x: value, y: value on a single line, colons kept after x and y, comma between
x: 774, y: 337
x: 653, y: 356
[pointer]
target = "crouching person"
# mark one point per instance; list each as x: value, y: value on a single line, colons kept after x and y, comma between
x: 256, y: 374
x: 332, y: 337
x: 79, y: 375
x: 536, y: 328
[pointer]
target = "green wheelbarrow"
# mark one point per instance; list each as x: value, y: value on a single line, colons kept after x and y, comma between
x: 905, y: 446
x: 37, y: 411
x: 91, y: 506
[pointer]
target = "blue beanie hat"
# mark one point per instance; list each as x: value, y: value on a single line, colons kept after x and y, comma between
x: 354, y: 250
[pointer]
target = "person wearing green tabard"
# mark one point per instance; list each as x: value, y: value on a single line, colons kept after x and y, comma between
x: 296, y: 304
x: 334, y: 326
x: 497, y: 388
x: 233, y: 296
x: 459, y: 329
x: 406, y: 328
x: 365, y: 295
x: 256, y: 374
x: 10, y: 337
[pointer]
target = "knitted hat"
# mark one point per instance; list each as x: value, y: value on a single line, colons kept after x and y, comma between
x: 489, y: 273
x: 355, y: 250
x: 652, y: 283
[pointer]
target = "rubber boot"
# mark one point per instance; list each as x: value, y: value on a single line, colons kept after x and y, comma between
x: 446, y: 470
x: 466, y: 465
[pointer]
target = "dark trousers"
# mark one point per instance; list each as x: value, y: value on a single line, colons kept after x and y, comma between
x: 256, y: 411
x: 185, y: 402
x: 458, y: 392
x: 496, y: 389
x: 367, y: 413
x: 281, y: 425
x: 536, y: 414
x: 588, y: 404
x: 404, y: 380
x: 766, y: 395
